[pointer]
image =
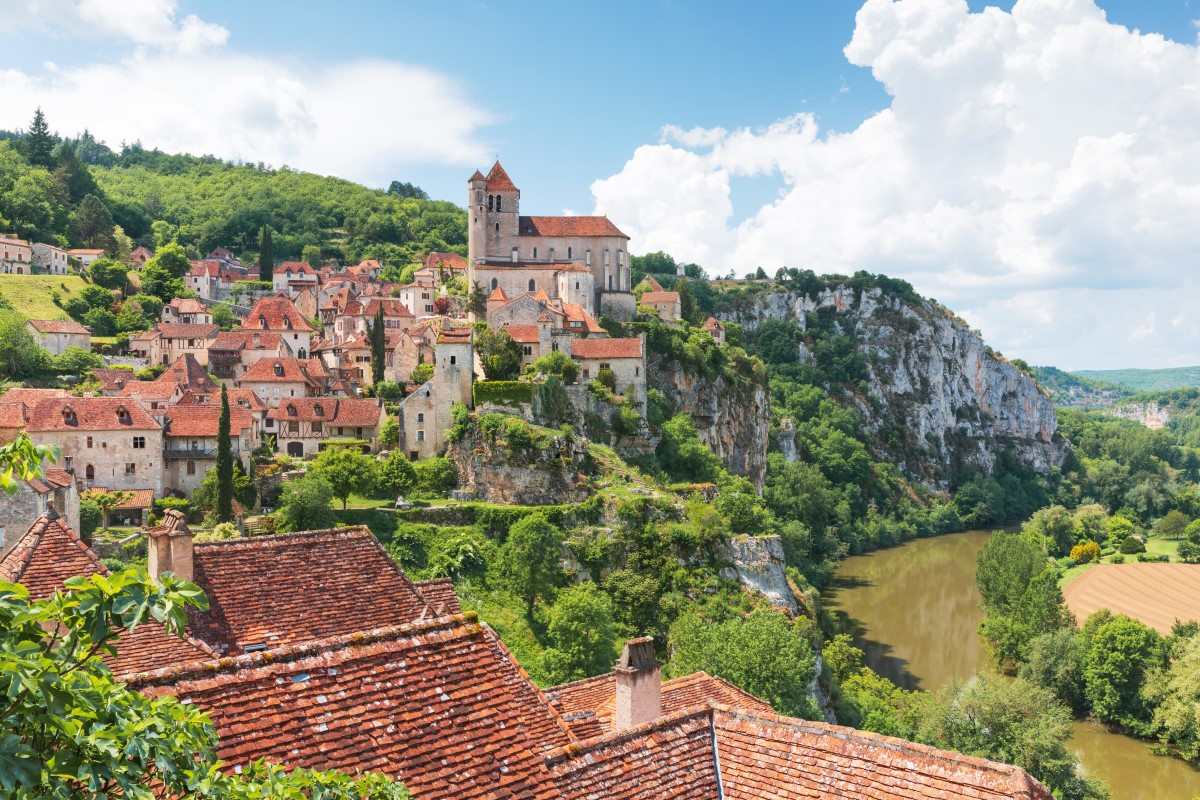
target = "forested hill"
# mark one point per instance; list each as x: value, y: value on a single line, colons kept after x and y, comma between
x: 1145, y: 380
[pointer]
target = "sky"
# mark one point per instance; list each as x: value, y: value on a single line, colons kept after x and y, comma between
x: 1034, y: 165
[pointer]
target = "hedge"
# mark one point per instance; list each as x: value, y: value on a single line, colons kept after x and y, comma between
x: 504, y: 393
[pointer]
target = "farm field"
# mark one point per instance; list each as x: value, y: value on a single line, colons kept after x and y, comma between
x: 29, y: 295
x: 1156, y: 594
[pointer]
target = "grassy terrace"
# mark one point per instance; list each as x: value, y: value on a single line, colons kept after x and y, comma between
x: 1154, y: 546
x: 30, y: 295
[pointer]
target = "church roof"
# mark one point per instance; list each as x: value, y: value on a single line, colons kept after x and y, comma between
x: 568, y: 226
x: 498, y: 180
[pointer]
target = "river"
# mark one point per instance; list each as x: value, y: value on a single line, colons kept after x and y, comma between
x: 915, y: 612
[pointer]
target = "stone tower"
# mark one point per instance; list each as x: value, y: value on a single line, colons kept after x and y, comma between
x: 453, y: 376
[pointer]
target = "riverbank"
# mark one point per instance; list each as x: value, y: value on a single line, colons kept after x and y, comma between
x: 915, y: 611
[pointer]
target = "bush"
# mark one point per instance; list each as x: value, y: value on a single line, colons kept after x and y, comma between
x: 1132, y: 544
x: 421, y: 373
x: 503, y: 393
x: 557, y: 364
x: 436, y: 475
x: 1084, y: 552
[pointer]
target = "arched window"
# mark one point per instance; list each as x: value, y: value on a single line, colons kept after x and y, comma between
x: 495, y: 283
x: 497, y: 202
x: 569, y: 253
x: 89, y: 472
x: 490, y: 201
x: 535, y: 253
x: 532, y: 285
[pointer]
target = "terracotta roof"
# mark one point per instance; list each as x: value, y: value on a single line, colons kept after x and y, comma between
x: 111, y: 379
x: 498, y: 180
x: 246, y: 339
x: 276, y: 370
x: 650, y: 298
x: 568, y: 226
x: 211, y: 268
x: 58, y: 326
x: 86, y: 251
x: 576, y: 313
x: 452, y: 261
x: 392, y: 307
x: 437, y: 704
x: 476, y: 176
x: 302, y: 267
x: 184, y: 330
x: 289, y: 588
x: 188, y: 305
x: 653, y: 283
x: 712, y: 324
x: 149, y: 390
x: 238, y: 398
x: 50, y: 553
x: 10, y: 240
x: 137, y: 498
x: 89, y: 414
x: 606, y: 348
x: 205, y: 420
x: 31, y: 397
x: 187, y: 372
x: 334, y: 411
x: 454, y: 336
x: 52, y: 478
x: 497, y: 294
x: 274, y: 313
x: 439, y: 594
x: 525, y: 334
x: 12, y: 415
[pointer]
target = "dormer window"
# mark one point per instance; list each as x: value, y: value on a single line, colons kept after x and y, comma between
x: 291, y: 410
x: 262, y: 322
x: 318, y: 410
x: 69, y: 417
x: 123, y: 415
x: 287, y: 323
x: 278, y: 369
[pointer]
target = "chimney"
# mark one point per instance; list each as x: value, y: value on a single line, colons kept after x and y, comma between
x: 639, y: 684
x: 170, y: 547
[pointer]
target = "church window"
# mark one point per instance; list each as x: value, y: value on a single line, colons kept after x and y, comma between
x: 532, y: 285
x: 497, y: 227
x: 570, y: 251
x: 515, y: 254
x: 610, y: 282
x: 495, y: 283
x: 589, y: 257
x: 490, y: 200
x: 606, y: 258
x: 497, y: 202
x: 535, y: 253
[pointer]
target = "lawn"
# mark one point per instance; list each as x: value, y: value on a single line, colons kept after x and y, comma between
x: 30, y: 295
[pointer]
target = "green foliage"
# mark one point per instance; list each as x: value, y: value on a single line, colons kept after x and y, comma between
x: 763, y: 653
x: 224, y: 317
x: 72, y: 730
x: 266, y: 254
x: 683, y: 455
x: 421, y: 373
x: 1020, y: 594
x: 377, y: 336
x: 395, y: 475
x: 1120, y: 653
x: 304, y: 505
x: 558, y: 364
x: 346, y: 470
x: 498, y: 353
x: 436, y: 475
x: 109, y: 273
x: 92, y: 224
x: 1175, y: 695
x: 503, y: 392
x: 530, y: 560
x: 224, y: 466
x: 581, y: 630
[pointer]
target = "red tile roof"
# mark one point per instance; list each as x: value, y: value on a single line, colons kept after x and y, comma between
x: 525, y: 334
x: 12, y: 415
x: 185, y: 330
x: 392, y: 307
x: 653, y: 283
x: 568, y: 226
x: 277, y: 370
x: 498, y: 180
x: 606, y: 348
x: 53, y: 478
x: 712, y: 324
x: 439, y: 594
x: 205, y: 420
x: 451, y: 261
x: 301, y: 267
x: 89, y: 414
x: 651, y: 298
x: 331, y: 410
x: 112, y: 379
x: 289, y: 588
x: 437, y: 704
x: 238, y: 398
x: 274, y: 314
x: 58, y: 326
x: 497, y: 295
x: 246, y: 339
x: 576, y: 313
x: 188, y: 373
x: 31, y: 397
x: 136, y: 498
x: 188, y: 305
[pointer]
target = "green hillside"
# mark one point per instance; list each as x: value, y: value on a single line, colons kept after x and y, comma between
x: 32, y: 296
x: 1072, y: 389
x: 1145, y: 380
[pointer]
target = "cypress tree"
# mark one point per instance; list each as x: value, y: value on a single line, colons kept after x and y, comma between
x: 266, y: 255
x: 224, y: 463
x: 39, y: 144
x: 378, y: 346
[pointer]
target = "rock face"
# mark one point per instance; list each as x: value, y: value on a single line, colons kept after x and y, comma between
x: 1152, y: 415
x: 758, y: 563
x: 733, y: 421
x: 489, y: 470
x: 936, y: 400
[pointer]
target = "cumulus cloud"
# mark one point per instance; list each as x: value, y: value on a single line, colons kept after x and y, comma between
x: 1027, y: 159
x: 182, y: 88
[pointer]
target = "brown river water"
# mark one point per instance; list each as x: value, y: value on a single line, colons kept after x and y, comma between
x: 916, y: 611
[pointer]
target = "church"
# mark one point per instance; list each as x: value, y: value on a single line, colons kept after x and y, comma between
x: 579, y: 260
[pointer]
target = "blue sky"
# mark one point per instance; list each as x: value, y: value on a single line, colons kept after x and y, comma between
x: 1032, y: 164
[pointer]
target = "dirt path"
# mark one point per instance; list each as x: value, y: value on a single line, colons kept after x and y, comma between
x: 1156, y: 594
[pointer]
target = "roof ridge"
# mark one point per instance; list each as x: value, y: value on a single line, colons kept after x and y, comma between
x: 465, y: 624
x: 580, y: 682
x: 574, y: 750
x: 37, y: 531
x: 289, y: 536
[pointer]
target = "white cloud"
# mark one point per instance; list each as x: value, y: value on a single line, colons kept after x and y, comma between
x: 1027, y: 159
x: 182, y: 89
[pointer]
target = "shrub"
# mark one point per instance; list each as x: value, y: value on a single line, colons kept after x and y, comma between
x: 1132, y: 544
x: 503, y: 393
x: 436, y: 475
x: 608, y: 378
x: 1085, y: 552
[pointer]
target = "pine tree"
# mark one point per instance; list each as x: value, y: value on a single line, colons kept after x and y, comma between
x: 378, y: 346
x: 39, y: 144
x: 266, y: 255
x: 224, y: 463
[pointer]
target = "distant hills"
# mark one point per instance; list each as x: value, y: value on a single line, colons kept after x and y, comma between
x: 1092, y: 388
x: 1145, y: 380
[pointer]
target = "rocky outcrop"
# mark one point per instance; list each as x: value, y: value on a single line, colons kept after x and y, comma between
x: 492, y: 469
x: 734, y: 421
x: 758, y: 563
x: 935, y: 400
x: 1152, y: 415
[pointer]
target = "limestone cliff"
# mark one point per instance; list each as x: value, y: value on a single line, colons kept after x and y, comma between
x: 734, y: 421
x: 508, y: 464
x: 935, y: 400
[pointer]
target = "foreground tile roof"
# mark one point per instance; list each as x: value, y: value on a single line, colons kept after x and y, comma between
x: 246, y: 339
x: 439, y: 594
x: 277, y: 370
x: 607, y: 348
x: 332, y: 410
x: 89, y: 414
x: 205, y: 420
x: 652, y: 298
x: 276, y: 313
x: 437, y: 704
x: 289, y: 588
x: 450, y: 261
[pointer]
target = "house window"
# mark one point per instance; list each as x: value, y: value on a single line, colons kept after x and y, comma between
x: 420, y: 436
x: 497, y: 227
x: 293, y: 427
x: 89, y: 441
x: 637, y: 372
x: 453, y: 359
x: 68, y: 463
x: 317, y: 427
x: 588, y: 255
x: 495, y: 283
x: 420, y: 417
x: 528, y: 349
x: 139, y: 443
x: 191, y: 468
x: 491, y: 203
x: 535, y: 253
x: 130, y: 468
x: 497, y: 202
x: 514, y: 255
x: 570, y: 252
x: 532, y: 285
x: 429, y: 308
x: 89, y: 472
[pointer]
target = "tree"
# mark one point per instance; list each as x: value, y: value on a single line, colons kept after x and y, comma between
x: 531, y: 559
x: 1056, y: 526
x: 764, y: 653
x: 687, y: 302
x: 499, y: 354
x: 304, y: 505
x: 1175, y: 695
x: 72, y: 730
x: 1121, y: 652
x: 39, y: 143
x: 223, y: 316
x: 582, y: 633
x: 1056, y: 662
x: 558, y: 364
x: 389, y: 433
x: 395, y: 475
x: 107, y: 502
x: 377, y: 337
x: 163, y: 274
x: 1189, y: 548
x: 173, y: 259
x: 266, y: 255
x: 21, y: 460
x: 421, y: 373
x: 683, y: 455
x: 346, y: 470
x: 1004, y: 568
x: 76, y: 361
x: 20, y: 355
x: 101, y: 321
x: 92, y: 224
x: 1172, y: 524
x: 399, y: 189
x: 224, y: 463
x: 72, y: 176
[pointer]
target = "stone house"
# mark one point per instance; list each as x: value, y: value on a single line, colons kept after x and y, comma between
x: 278, y: 314
x: 291, y: 276
x: 233, y: 352
x: 50, y: 259
x: 440, y: 267
x: 498, y: 235
x: 16, y: 256
x: 425, y: 415
x: 417, y: 345
x: 418, y: 298
x: 104, y: 441
x: 186, y: 311
x: 56, y: 335
x: 276, y: 379
x: 34, y: 498
x: 535, y: 341
x: 210, y: 280
x: 715, y: 329
x: 306, y: 302
x: 625, y: 357
x: 303, y: 424
x: 166, y: 342
x: 358, y: 315
x: 86, y: 256
x: 666, y: 305
x: 139, y: 256
x: 368, y: 268
x: 191, y: 440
